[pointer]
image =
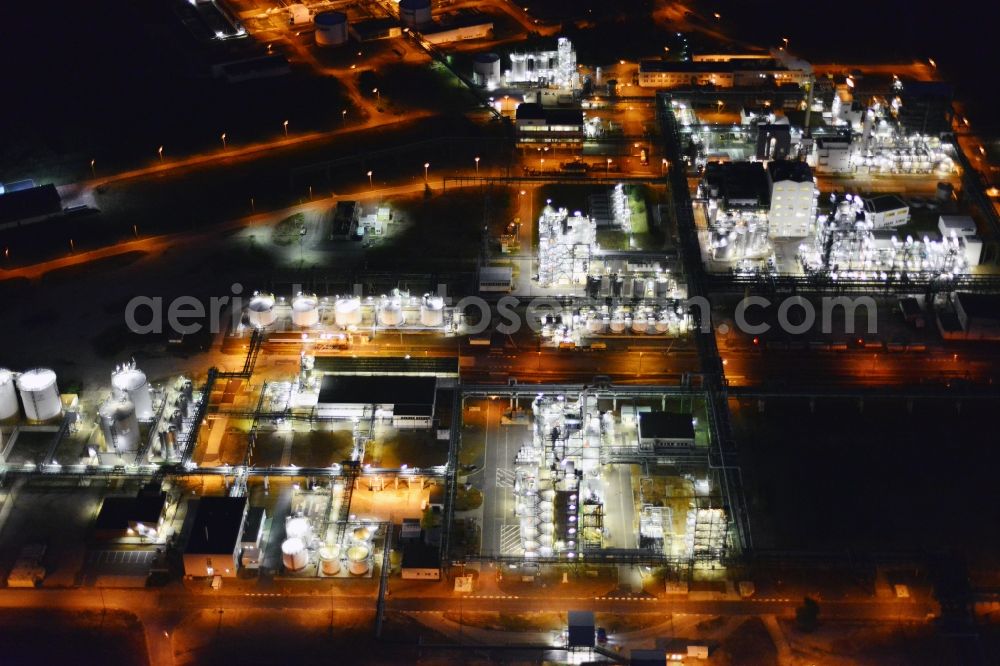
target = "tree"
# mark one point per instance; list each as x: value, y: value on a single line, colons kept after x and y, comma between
x: 807, y: 615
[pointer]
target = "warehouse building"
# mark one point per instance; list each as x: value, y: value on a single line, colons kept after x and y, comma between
x: 214, y: 540
x: 408, y: 402
x: 665, y: 430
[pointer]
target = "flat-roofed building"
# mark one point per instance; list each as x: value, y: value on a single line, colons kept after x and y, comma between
x: 793, y: 199
x: 886, y: 211
x: 665, y: 430
x: 732, y: 73
x: 214, y: 540
x: 407, y: 401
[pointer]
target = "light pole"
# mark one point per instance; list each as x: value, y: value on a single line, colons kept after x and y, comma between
x: 785, y: 40
x: 371, y: 183
x: 541, y: 164
x: 477, y: 166
x: 93, y: 170
x: 607, y: 169
x: 285, y: 126
x: 223, y: 137
x: 427, y: 165
x: 663, y: 166
x: 343, y: 117
x: 160, y: 153
x: 377, y: 94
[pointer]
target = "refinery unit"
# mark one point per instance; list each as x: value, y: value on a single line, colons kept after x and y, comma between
x: 576, y: 462
x: 544, y: 69
x: 565, y: 246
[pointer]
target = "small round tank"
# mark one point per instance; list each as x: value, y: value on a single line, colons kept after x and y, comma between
x: 331, y: 28
x: 130, y: 382
x: 390, y: 312
x: 347, y: 311
x: 329, y: 560
x: 8, y: 395
x: 293, y: 554
x: 260, y: 310
x: 432, y: 311
x: 357, y: 558
x: 39, y: 394
x: 305, y: 310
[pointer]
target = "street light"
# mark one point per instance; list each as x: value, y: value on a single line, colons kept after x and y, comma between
x: 663, y: 165
x: 427, y: 165
x: 93, y: 171
x: 343, y: 116
x: 375, y: 92
x: 371, y: 183
x: 223, y: 137
x: 477, y: 166
x: 785, y: 40
x: 607, y: 170
x: 285, y: 125
x: 160, y: 152
x: 541, y: 164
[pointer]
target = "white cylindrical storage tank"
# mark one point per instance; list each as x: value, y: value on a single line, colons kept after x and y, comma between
x: 130, y: 382
x: 260, y: 311
x: 8, y: 395
x: 486, y: 69
x: 390, y: 312
x: 414, y: 13
x: 331, y: 28
x: 119, y: 424
x: 432, y: 311
x: 297, y: 528
x: 663, y: 324
x: 39, y: 394
x: 595, y: 325
x: 640, y: 324
x: 293, y: 554
x: 362, y: 534
x: 305, y: 310
x: 347, y: 311
x: 357, y: 558
x: 329, y: 560
x: 617, y: 323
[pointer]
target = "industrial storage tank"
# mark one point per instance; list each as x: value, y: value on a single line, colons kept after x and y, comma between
x: 518, y: 66
x: 260, y: 311
x: 297, y: 528
x: 640, y: 324
x: 305, y: 310
x: 347, y: 311
x: 357, y: 558
x: 486, y: 70
x: 390, y: 312
x: 595, y: 325
x: 293, y: 554
x: 331, y: 28
x: 39, y: 394
x: 8, y: 395
x: 329, y: 560
x: 415, y: 13
x: 617, y: 323
x: 119, y: 424
x: 432, y: 311
x: 129, y: 382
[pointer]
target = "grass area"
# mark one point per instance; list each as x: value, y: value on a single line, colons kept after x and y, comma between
x: 288, y: 230
x: 416, y: 448
x: 403, y: 87
x: 467, y: 499
x: 37, y: 636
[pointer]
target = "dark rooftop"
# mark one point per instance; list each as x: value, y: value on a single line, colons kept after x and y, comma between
x: 360, y: 389
x: 535, y: 111
x: 668, y: 425
x: 979, y: 306
x: 694, y: 67
x: 418, y: 555
x: 218, y: 522
x: 739, y: 181
x: 30, y: 203
x: 117, y: 513
x: 793, y: 170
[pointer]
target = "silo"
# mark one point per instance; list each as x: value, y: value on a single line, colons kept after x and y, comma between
x: 305, y: 310
x: 390, y: 312
x: 119, y: 424
x: 595, y: 325
x: 329, y: 560
x: 414, y: 13
x: 357, y: 557
x: 39, y: 394
x: 331, y: 28
x: 486, y: 70
x: 617, y: 322
x: 432, y: 311
x: 518, y: 66
x: 347, y: 311
x: 293, y: 554
x: 640, y: 323
x: 8, y: 395
x: 260, y: 311
x: 130, y: 382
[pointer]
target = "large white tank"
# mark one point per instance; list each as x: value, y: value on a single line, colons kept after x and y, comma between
x: 297, y: 528
x: 357, y: 558
x: 414, y: 13
x: 347, y: 311
x: 518, y: 66
x: 130, y: 382
x: 390, y: 312
x: 293, y: 554
x: 331, y: 28
x: 617, y: 323
x: 486, y: 70
x: 119, y: 424
x: 329, y: 560
x: 640, y: 324
x: 595, y: 325
x: 39, y: 394
x: 305, y: 310
x: 432, y: 311
x: 8, y: 395
x: 260, y: 311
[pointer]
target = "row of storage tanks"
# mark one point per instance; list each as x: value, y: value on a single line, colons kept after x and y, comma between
x: 639, y: 321
x: 38, y: 391
x: 356, y: 552
x: 625, y: 286
x: 347, y: 312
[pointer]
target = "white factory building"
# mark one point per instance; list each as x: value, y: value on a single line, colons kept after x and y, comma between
x: 408, y: 402
x: 793, y: 199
